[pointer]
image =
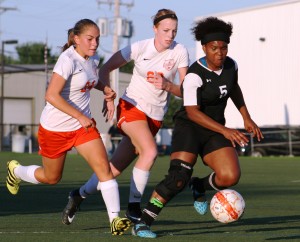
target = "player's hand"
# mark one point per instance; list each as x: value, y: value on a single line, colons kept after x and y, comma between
x: 86, y: 122
x: 236, y: 137
x: 158, y: 81
x: 108, y: 110
x: 109, y: 94
x: 252, y: 128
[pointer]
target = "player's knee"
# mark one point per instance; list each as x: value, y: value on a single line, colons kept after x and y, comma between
x: 229, y: 179
x: 178, y: 177
x: 150, y: 153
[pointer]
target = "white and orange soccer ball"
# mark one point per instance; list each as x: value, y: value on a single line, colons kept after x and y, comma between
x: 227, y: 206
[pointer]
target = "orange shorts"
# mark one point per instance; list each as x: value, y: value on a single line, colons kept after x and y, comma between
x: 55, y: 144
x: 129, y: 113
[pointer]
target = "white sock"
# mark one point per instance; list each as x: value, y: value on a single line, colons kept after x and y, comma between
x: 26, y: 173
x: 138, y: 183
x: 90, y: 187
x: 111, y: 197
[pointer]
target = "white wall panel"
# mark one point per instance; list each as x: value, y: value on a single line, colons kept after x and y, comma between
x: 268, y: 70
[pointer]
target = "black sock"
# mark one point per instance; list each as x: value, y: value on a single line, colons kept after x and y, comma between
x: 198, y: 184
x: 136, y: 207
x: 151, y: 211
x: 207, y: 183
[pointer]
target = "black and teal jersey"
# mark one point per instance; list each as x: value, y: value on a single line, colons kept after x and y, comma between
x: 209, y: 89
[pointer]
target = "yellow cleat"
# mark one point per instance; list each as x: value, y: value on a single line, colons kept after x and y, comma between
x: 12, y: 182
x: 119, y: 225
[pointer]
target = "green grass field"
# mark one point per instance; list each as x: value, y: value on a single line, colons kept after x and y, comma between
x: 270, y: 187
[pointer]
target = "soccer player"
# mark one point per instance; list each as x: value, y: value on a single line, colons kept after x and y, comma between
x: 141, y: 108
x: 200, y: 126
x: 66, y: 122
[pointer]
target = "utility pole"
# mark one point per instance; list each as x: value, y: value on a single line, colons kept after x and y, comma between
x: 4, y: 9
x: 115, y: 73
x: 115, y: 48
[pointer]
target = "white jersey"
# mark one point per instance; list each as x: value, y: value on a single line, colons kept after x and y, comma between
x: 81, y: 76
x: 153, y: 102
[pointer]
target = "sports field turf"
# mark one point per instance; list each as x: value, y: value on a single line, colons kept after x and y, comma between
x: 270, y: 187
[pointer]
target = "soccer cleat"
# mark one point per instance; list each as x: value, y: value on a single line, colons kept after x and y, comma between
x: 201, y: 207
x: 119, y: 225
x: 12, y: 182
x: 142, y: 230
x: 133, y: 215
x: 200, y: 202
x: 70, y: 210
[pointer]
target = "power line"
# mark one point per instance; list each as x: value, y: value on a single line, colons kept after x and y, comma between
x: 4, y: 9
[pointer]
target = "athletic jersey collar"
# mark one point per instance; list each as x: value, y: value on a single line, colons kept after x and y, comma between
x: 202, y: 62
x: 78, y: 55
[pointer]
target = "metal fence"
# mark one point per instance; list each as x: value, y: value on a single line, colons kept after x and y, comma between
x: 278, y: 141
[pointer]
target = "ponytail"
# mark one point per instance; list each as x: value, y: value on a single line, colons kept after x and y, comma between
x: 70, y: 39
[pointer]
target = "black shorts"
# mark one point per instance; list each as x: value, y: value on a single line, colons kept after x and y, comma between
x: 190, y: 137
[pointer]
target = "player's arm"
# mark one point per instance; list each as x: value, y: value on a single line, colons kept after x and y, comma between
x: 116, y: 61
x: 162, y: 83
x: 175, y: 88
x: 191, y: 85
x: 238, y: 100
x: 196, y: 115
x: 53, y: 96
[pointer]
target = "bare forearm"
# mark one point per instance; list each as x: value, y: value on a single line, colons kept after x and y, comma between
x: 174, y: 89
x: 202, y: 119
x: 244, y: 112
x: 58, y: 102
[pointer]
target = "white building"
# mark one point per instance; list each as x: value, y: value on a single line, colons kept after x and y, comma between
x: 23, y: 101
x: 265, y: 44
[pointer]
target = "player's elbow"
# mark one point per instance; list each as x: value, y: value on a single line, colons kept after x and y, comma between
x: 49, y: 97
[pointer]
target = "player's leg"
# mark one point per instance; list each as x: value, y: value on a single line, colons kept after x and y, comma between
x: 143, y: 141
x: 49, y: 173
x: 212, y: 145
x: 179, y: 174
x: 94, y: 153
x: 53, y: 150
x: 123, y: 156
x: 225, y: 164
x: 226, y: 172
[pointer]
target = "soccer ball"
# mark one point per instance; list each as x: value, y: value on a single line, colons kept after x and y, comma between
x: 227, y: 206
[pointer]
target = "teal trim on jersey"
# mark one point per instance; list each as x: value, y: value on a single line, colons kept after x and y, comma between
x: 203, y: 61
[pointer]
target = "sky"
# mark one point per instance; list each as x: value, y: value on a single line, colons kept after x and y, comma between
x: 41, y: 20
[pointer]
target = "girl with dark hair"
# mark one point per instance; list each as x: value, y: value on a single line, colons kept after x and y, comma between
x: 200, y: 126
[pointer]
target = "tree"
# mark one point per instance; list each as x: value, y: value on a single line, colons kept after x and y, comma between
x: 8, y: 60
x: 174, y: 105
x: 33, y: 53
